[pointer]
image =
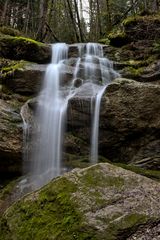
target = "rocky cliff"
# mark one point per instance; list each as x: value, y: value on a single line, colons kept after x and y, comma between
x: 129, y: 119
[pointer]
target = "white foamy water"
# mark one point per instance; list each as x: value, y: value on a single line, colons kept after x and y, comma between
x: 51, y: 113
x: 92, y: 74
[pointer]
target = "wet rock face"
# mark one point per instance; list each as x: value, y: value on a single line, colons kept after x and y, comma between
x: 100, y: 202
x: 10, y: 141
x: 129, y: 121
x: 26, y: 80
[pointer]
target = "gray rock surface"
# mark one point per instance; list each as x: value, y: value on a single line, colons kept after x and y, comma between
x: 129, y: 121
x: 10, y: 140
x: 100, y: 202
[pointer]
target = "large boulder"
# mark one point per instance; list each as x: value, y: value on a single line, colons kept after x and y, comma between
x: 100, y: 202
x: 129, y: 121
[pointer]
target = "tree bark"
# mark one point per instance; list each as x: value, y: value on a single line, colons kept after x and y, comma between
x: 78, y: 21
x: 73, y: 21
x: 42, y: 19
x: 4, y: 12
x: 99, y: 19
x: 27, y: 17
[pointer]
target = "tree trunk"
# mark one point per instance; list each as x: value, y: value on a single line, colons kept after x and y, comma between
x: 27, y: 17
x: 4, y: 12
x: 42, y: 19
x: 78, y: 21
x: 109, y: 21
x: 73, y: 20
x: 99, y: 20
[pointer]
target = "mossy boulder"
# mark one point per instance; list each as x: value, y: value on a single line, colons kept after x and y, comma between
x: 118, y: 39
x: 23, y: 77
x: 142, y: 27
x: 21, y: 48
x: 138, y: 40
x: 100, y: 202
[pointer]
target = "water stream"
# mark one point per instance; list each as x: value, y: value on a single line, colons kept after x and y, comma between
x: 91, y: 70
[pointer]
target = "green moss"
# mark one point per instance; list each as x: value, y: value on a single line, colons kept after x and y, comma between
x: 148, y: 173
x: 133, y: 20
x: 50, y: 216
x: 135, y: 64
x: 7, y: 189
x: 156, y: 47
x: 24, y: 48
x: 8, y: 71
x: 134, y: 72
x: 94, y: 178
x: 127, y: 224
x: 19, y: 39
x: 54, y: 212
x: 153, y: 174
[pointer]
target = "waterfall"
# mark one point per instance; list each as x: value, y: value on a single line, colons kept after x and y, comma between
x: 51, y: 112
x: 99, y: 72
x: 93, y: 72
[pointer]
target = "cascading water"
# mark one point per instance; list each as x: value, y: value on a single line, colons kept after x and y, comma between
x: 51, y: 111
x: 98, y: 72
x: 91, y: 71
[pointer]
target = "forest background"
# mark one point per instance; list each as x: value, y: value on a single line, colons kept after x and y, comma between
x: 71, y: 20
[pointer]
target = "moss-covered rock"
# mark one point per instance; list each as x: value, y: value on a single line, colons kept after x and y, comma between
x: 100, y: 202
x: 23, y: 77
x: 142, y: 27
x: 9, y: 67
x: 19, y: 48
x: 132, y: 72
x: 118, y: 39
